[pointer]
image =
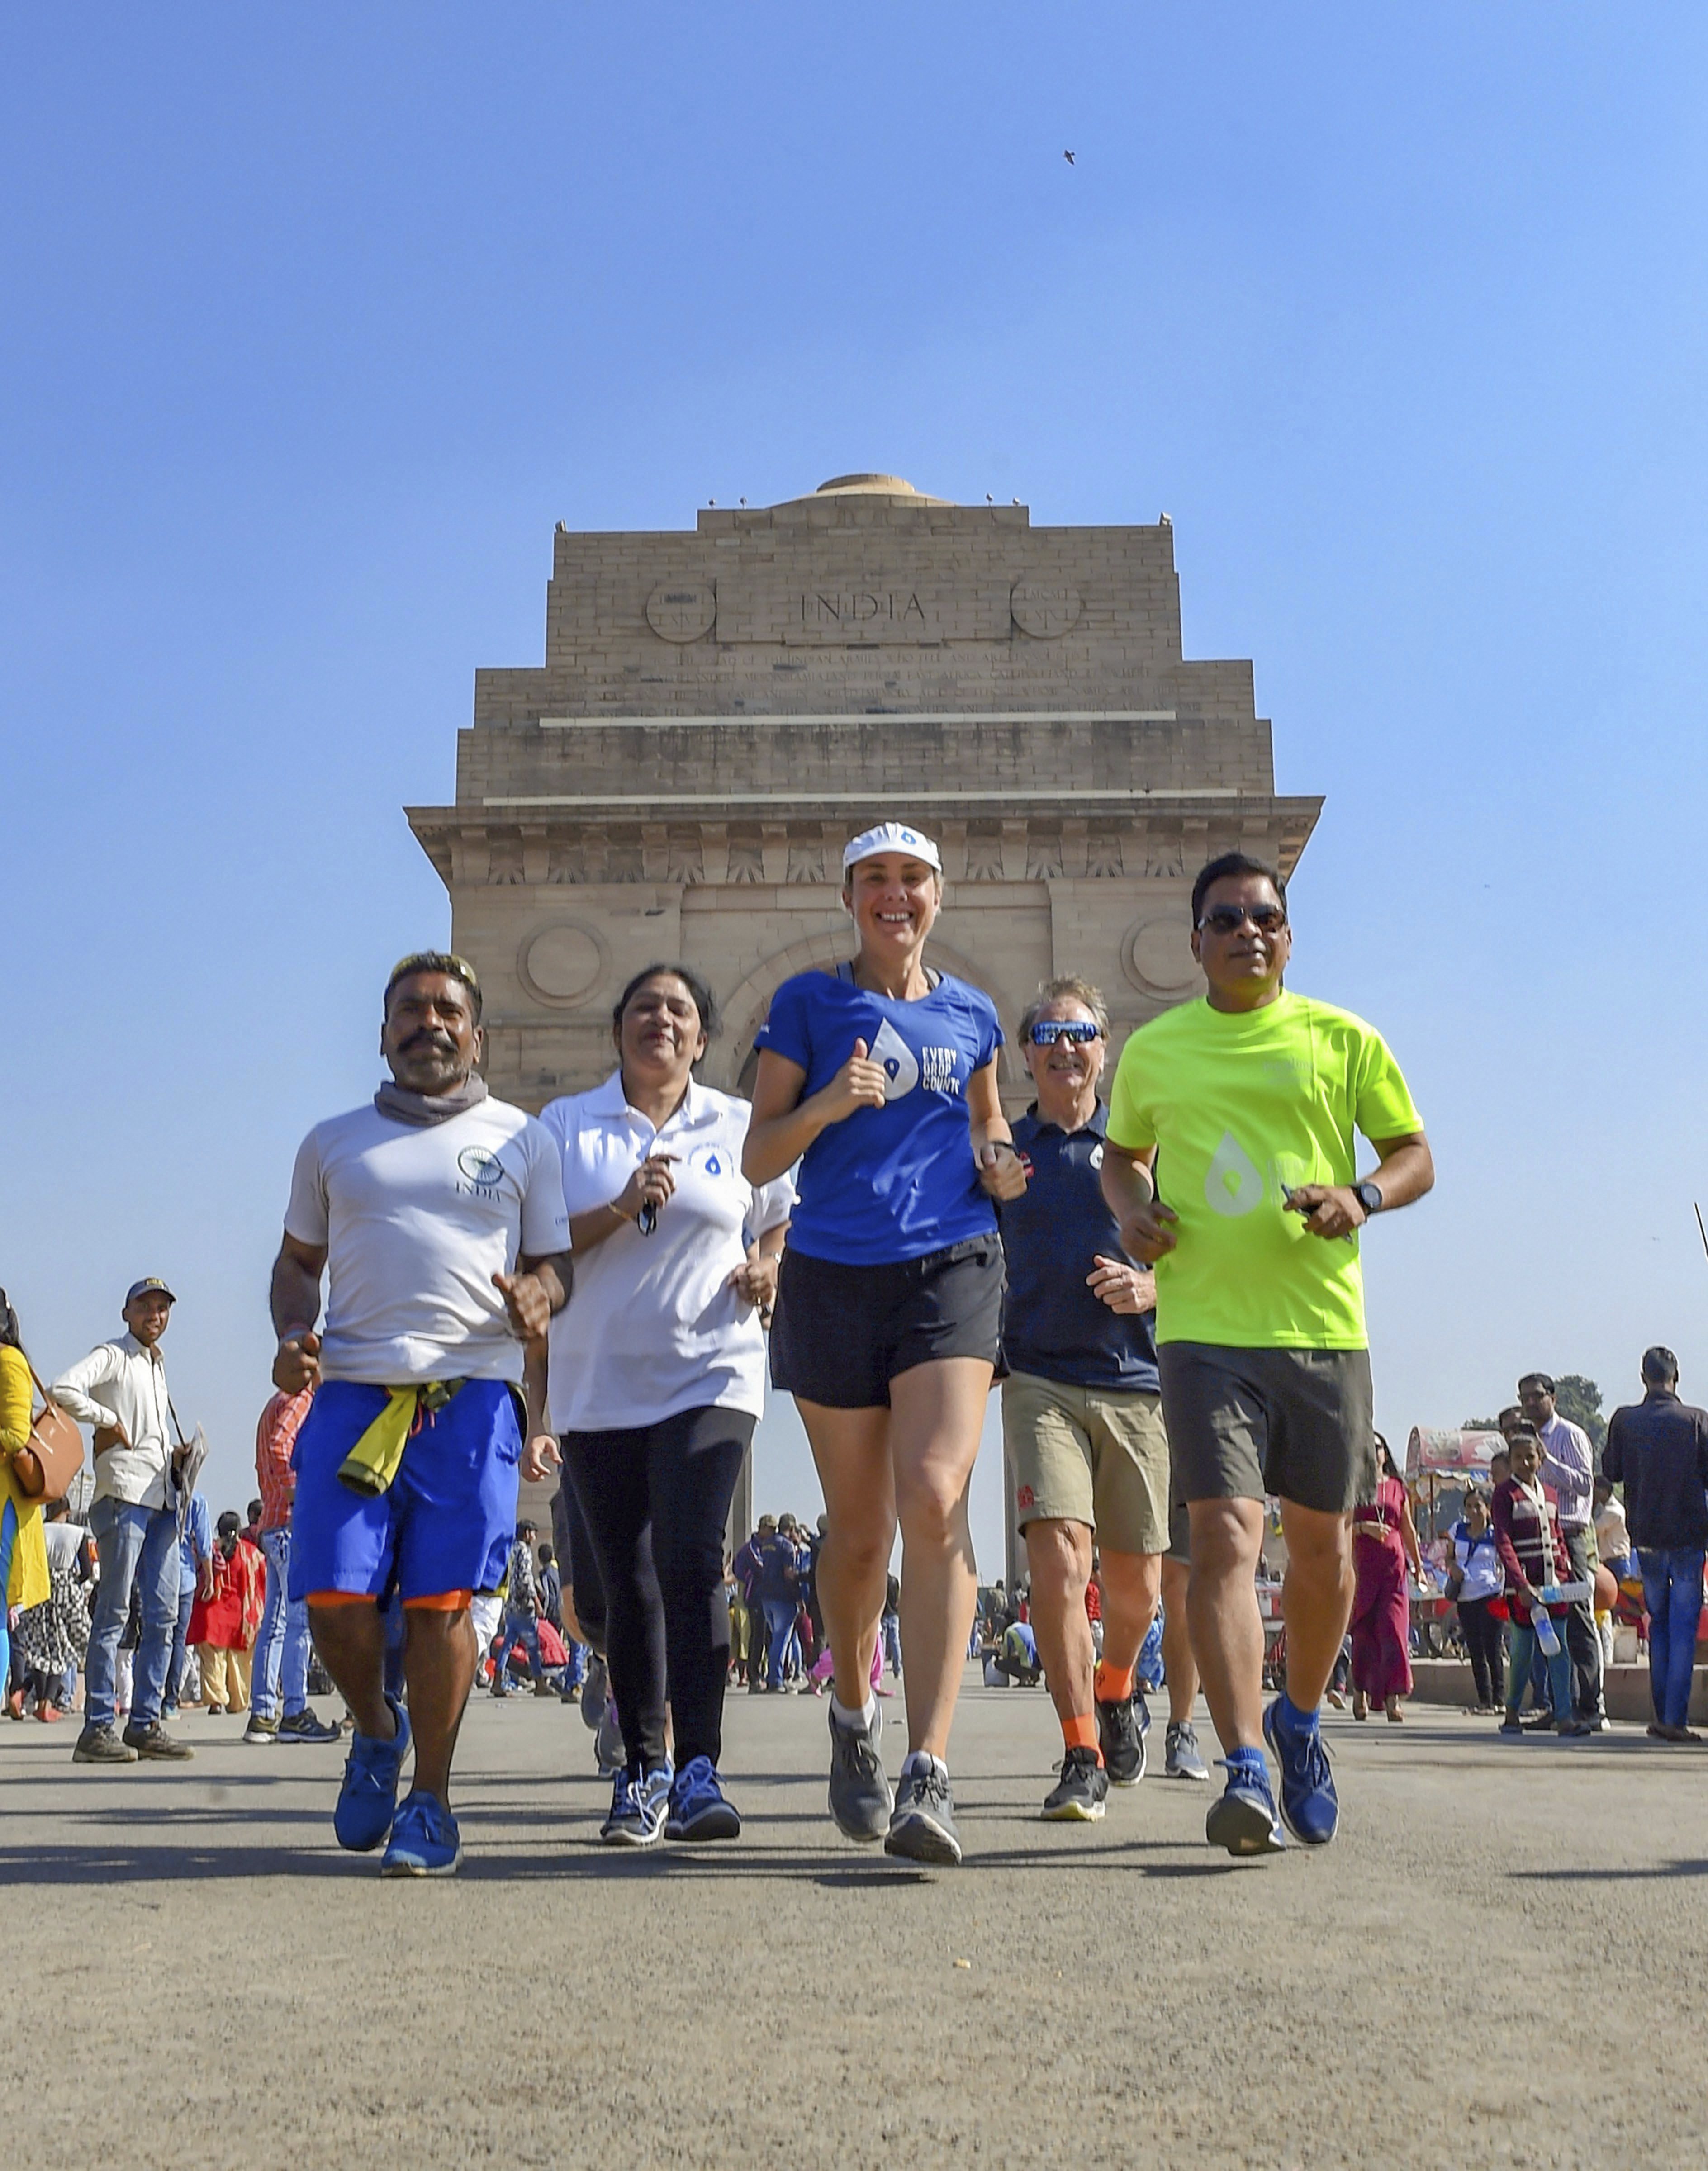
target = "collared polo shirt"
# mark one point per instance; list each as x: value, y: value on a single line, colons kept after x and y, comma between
x: 653, y: 1327
x: 1054, y: 1325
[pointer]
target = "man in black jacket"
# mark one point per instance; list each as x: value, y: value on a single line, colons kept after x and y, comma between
x: 1658, y: 1450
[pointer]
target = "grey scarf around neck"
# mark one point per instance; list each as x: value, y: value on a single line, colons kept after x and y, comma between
x: 423, y: 1109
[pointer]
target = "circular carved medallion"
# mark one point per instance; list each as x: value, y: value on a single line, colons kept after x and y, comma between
x: 682, y: 610
x: 1156, y: 956
x: 1044, y: 612
x: 562, y: 963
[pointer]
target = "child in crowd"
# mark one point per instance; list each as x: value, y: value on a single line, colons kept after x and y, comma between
x: 1533, y: 1553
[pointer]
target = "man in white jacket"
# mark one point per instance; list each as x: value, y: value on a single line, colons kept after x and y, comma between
x: 120, y: 1391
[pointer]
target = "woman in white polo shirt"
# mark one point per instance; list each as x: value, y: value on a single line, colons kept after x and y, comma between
x: 657, y: 1379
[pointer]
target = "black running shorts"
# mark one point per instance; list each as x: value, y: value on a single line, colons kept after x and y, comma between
x: 841, y: 1334
x: 1298, y: 1423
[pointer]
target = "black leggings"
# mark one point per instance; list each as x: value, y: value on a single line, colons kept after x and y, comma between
x: 1482, y: 1635
x: 675, y: 1478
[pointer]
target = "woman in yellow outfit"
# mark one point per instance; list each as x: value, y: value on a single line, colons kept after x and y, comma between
x: 23, y: 1577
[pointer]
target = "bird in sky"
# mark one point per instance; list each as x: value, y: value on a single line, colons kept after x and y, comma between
x: 1068, y: 155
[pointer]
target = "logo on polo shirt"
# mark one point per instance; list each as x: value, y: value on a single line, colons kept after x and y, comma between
x: 713, y: 1161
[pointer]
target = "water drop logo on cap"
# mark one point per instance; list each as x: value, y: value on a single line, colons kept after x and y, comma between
x: 891, y: 837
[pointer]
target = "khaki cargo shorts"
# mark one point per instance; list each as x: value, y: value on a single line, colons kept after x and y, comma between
x: 1088, y: 1454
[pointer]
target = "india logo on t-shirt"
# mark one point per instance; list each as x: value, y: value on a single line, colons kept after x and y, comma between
x: 1232, y: 1182
x: 901, y: 1068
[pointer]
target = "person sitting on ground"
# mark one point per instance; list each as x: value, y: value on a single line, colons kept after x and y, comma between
x: 1526, y: 1514
x: 1015, y: 1655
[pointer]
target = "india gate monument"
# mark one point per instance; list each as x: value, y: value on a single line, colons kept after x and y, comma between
x: 721, y: 707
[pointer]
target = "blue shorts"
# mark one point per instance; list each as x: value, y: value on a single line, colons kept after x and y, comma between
x: 446, y: 1522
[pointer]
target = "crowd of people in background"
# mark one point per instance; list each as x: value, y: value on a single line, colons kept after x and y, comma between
x: 1166, y: 1280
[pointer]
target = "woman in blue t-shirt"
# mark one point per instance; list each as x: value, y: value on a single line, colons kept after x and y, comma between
x: 881, y: 1079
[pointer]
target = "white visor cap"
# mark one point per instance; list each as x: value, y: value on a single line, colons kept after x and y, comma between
x: 891, y: 837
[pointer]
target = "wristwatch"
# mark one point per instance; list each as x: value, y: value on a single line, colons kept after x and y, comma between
x: 1368, y: 1196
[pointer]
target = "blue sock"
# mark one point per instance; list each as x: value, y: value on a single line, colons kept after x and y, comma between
x: 1249, y: 1763
x: 1304, y: 1721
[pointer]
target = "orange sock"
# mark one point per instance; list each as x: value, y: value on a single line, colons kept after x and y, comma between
x: 1110, y: 1686
x: 1079, y: 1732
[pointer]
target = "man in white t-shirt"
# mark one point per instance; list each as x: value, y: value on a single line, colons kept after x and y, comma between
x: 439, y: 1213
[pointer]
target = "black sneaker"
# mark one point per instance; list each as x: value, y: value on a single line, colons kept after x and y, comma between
x: 923, y: 1826
x: 1183, y: 1760
x: 153, y: 1741
x: 100, y: 1744
x: 305, y: 1726
x: 861, y: 1801
x: 1121, y: 1728
x: 1078, y: 1796
x: 262, y: 1732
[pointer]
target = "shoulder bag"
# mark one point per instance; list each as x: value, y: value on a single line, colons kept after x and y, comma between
x: 53, y: 1455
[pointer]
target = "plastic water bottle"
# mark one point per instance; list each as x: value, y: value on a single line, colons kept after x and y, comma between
x: 1547, y: 1635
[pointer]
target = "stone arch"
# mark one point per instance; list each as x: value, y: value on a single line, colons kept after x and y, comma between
x: 748, y: 1004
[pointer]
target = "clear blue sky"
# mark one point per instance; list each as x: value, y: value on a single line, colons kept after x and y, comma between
x: 315, y: 321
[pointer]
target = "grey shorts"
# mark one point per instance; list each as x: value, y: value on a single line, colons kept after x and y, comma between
x: 1299, y: 1424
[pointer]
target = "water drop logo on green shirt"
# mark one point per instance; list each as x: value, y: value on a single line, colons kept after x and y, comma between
x: 1232, y: 1182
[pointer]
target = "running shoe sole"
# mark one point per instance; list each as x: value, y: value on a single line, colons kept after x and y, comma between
x: 395, y: 1866
x: 635, y: 1835
x: 1074, y: 1813
x: 718, y: 1821
x: 1241, y: 1823
x: 917, y: 1838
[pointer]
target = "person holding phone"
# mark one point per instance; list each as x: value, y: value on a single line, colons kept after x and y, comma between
x: 657, y: 1381
x: 1230, y: 1165
x: 880, y: 1079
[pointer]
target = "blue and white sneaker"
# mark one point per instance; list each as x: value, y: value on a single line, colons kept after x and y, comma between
x: 698, y: 1807
x: 369, y: 1796
x: 1244, y: 1821
x: 1310, y: 1806
x: 424, y: 1841
x: 638, y: 1807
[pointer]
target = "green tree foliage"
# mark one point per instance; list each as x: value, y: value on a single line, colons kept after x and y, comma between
x: 1579, y: 1399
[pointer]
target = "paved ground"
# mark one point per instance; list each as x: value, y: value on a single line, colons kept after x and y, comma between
x: 1498, y: 1963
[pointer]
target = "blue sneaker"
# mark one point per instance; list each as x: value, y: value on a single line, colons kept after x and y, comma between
x: 638, y: 1807
x: 1244, y: 1821
x: 368, y: 1795
x: 1310, y: 1806
x: 424, y: 1841
x: 698, y: 1809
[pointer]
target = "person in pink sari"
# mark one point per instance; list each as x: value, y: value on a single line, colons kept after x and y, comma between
x: 1384, y: 1544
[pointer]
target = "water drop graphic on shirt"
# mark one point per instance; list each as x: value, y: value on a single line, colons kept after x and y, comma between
x: 1232, y: 1182
x: 900, y: 1065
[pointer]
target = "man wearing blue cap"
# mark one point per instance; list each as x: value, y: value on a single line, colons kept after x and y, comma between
x: 120, y: 1391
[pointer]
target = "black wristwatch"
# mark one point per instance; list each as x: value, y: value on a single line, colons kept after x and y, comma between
x: 1368, y: 1196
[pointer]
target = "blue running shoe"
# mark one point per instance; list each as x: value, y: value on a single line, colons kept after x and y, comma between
x: 424, y: 1841
x: 368, y: 1795
x: 1244, y: 1821
x: 1310, y: 1806
x: 622, y: 1824
x: 698, y: 1809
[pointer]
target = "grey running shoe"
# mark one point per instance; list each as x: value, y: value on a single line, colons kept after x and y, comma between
x: 1182, y: 1759
x: 153, y: 1741
x: 861, y: 1801
x: 1121, y: 1728
x: 1079, y: 1796
x: 305, y: 1726
x: 100, y: 1744
x: 923, y: 1827
x: 262, y: 1732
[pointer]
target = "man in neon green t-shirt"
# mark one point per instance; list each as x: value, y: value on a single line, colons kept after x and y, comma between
x: 1230, y: 1166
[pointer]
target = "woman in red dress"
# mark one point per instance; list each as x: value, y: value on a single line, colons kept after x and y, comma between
x: 1384, y: 1543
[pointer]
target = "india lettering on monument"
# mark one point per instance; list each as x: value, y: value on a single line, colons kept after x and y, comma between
x: 859, y: 607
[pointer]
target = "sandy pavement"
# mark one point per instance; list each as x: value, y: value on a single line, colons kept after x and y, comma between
x: 1500, y: 1961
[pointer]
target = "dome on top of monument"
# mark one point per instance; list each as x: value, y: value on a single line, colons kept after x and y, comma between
x: 867, y: 486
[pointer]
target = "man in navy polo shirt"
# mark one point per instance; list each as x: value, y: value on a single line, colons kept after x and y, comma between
x: 1082, y: 1429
